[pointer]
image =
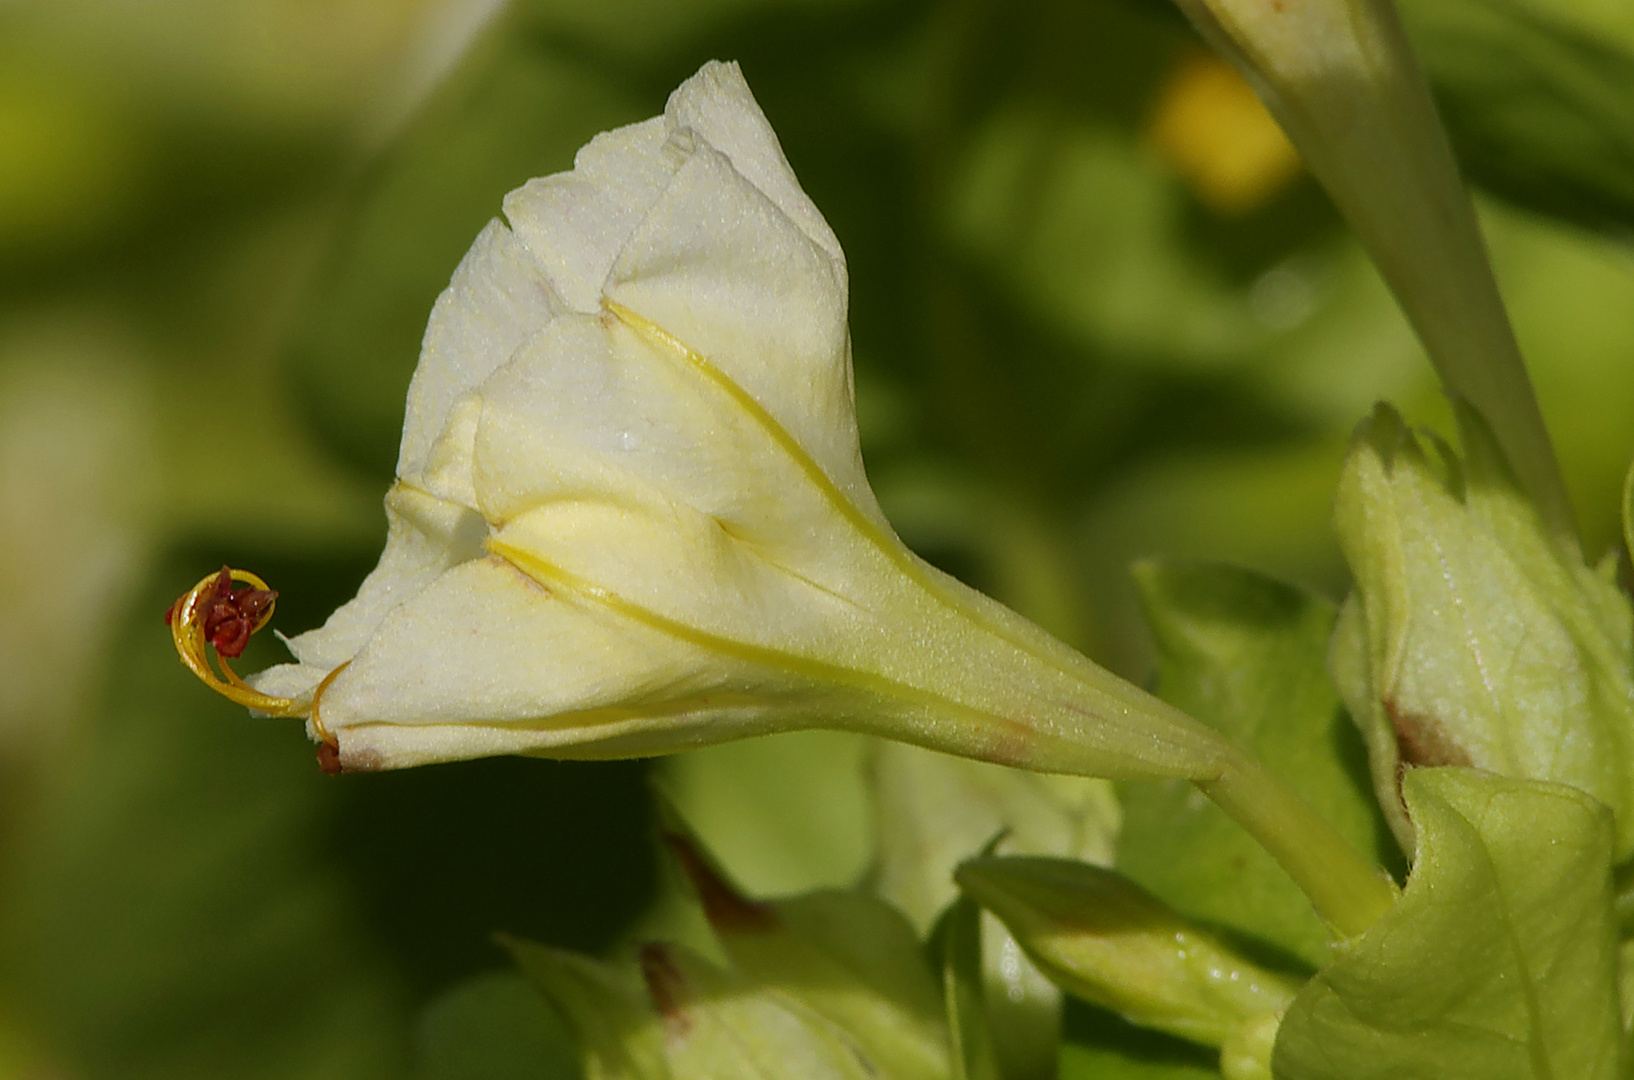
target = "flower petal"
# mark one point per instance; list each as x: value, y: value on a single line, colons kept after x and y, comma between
x: 498, y: 297
x: 521, y: 668
x: 576, y: 223
x: 426, y: 535
x: 718, y: 105
x: 717, y: 266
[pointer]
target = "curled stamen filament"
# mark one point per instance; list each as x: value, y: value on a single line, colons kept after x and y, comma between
x: 187, y: 629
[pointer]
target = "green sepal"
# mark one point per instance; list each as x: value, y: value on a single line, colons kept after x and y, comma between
x: 957, y: 942
x: 1472, y: 637
x: 1102, y: 937
x: 1498, y: 963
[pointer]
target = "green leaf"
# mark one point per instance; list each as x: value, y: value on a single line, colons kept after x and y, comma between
x: 1246, y: 655
x: 1535, y: 97
x: 493, y: 1027
x: 1498, y: 963
x: 1105, y: 939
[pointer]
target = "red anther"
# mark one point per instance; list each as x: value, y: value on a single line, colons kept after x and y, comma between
x: 329, y: 758
x: 231, y: 616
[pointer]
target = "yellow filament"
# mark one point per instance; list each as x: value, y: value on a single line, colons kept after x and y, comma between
x: 187, y: 631
x: 317, y: 725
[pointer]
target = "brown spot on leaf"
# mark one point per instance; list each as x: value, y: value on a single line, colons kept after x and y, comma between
x: 1423, y: 740
x: 724, y: 906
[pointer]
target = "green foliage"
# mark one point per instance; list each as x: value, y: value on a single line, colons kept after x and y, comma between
x: 170, y: 913
x: 1536, y: 97
x: 494, y: 1026
x: 1246, y: 655
x: 1500, y: 960
x: 212, y: 288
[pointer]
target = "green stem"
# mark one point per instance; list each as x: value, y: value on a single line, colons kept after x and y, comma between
x: 1341, y: 78
x: 1347, y: 891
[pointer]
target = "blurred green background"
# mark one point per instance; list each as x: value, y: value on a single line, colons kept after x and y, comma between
x: 1098, y: 313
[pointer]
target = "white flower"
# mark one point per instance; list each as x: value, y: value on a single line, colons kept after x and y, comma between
x: 631, y: 515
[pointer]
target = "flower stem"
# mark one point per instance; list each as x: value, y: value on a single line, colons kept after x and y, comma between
x: 1347, y: 891
x: 1341, y: 78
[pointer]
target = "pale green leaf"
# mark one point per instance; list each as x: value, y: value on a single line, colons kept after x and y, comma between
x: 1498, y: 963
x: 1105, y: 939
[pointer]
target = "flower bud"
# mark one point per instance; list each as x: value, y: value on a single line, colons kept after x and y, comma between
x: 1105, y: 939
x: 850, y: 958
x: 1472, y: 637
x: 718, y: 1026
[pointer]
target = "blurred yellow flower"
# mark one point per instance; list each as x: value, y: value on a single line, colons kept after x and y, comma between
x: 631, y: 514
x: 1209, y: 126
